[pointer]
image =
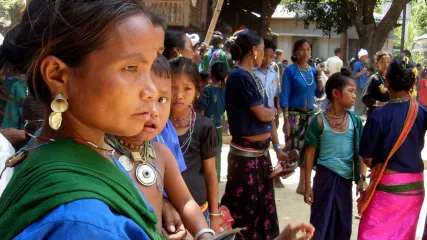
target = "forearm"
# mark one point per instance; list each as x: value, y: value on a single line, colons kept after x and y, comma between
x: 363, y: 167
x: 212, y: 187
x: 357, y: 74
x: 274, y: 134
x: 192, y: 217
x: 319, y: 84
x: 309, y: 162
x: 367, y: 162
x: 285, y: 111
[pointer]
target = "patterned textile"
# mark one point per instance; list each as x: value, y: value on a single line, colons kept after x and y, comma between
x: 249, y: 194
x: 299, y: 123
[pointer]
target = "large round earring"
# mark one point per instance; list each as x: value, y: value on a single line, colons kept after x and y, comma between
x: 58, y: 106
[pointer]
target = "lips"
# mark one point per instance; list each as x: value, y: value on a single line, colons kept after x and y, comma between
x: 178, y: 103
x: 143, y: 116
x: 150, y: 126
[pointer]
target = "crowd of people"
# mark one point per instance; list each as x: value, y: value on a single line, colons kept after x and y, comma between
x: 112, y: 128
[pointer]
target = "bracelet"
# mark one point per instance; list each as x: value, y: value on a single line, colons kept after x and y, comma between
x: 203, y: 231
x: 286, y: 114
x: 214, y: 214
x: 277, y: 145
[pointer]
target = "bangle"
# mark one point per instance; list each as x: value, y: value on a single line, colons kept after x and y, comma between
x: 277, y: 145
x: 214, y: 214
x: 203, y: 231
x: 286, y: 114
x: 363, y: 177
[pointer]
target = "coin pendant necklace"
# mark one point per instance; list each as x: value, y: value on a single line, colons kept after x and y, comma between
x: 145, y: 173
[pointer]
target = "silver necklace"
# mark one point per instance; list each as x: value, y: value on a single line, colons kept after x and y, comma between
x: 312, y: 76
x: 399, y: 100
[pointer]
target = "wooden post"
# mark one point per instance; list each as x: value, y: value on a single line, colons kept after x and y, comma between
x: 263, y: 22
x: 214, y: 21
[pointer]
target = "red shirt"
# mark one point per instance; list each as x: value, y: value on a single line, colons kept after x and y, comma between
x: 422, y: 94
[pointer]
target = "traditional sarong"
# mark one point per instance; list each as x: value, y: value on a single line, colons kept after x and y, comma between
x: 249, y: 194
x: 298, y: 122
x: 395, y: 208
x: 331, y: 212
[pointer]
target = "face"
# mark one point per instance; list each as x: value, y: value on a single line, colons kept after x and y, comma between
x: 268, y: 56
x: 279, y: 58
x: 183, y: 92
x: 285, y: 64
x: 112, y: 91
x: 347, y: 96
x: 160, y: 113
x: 303, y: 53
x: 363, y: 59
x: 383, y: 63
x: 260, y: 54
x: 187, y: 51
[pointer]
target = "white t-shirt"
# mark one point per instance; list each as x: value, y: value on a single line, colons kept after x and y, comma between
x: 6, y: 150
x: 334, y: 64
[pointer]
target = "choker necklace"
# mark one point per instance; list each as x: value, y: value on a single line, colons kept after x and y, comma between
x: 399, y: 100
x: 131, y: 146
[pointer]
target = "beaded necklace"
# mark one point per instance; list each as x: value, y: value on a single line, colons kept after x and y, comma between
x: 305, y: 80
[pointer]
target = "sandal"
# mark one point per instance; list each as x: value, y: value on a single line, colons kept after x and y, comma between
x: 284, y: 169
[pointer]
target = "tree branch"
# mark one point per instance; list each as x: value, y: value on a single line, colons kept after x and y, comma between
x: 393, y: 14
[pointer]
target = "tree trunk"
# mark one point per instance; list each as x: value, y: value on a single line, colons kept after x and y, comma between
x: 343, y: 45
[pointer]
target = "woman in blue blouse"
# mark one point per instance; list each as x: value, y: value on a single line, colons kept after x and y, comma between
x: 300, y: 84
x: 249, y: 194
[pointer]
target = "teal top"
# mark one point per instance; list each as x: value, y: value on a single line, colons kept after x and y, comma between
x: 312, y: 137
x: 336, y: 149
x: 13, y: 113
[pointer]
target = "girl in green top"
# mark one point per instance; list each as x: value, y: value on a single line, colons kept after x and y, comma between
x: 332, y: 140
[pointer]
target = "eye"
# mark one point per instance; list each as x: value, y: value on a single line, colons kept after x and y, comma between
x: 187, y: 89
x: 131, y: 68
x: 162, y: 100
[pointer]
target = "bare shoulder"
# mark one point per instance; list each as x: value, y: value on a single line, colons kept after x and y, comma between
x: 163, y: 153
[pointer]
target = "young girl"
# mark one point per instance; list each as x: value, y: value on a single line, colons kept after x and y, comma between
x: 391, y: 145
x: 337, y: 167
x: 160, y: 167
x: 198, y: 138
x: 212, y: 104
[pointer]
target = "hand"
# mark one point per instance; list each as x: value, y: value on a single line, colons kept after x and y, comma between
x: 308, y: 195
x: 14, y: 136
x: 287, y: 127
x: 281, y: 156
x: 320, y: 68
x: 359, y: 188
x: 172, y: 223
x: 215, y: 223
x: 364, y: 70
x: 294, y: 231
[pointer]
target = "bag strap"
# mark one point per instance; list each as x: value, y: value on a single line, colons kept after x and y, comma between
x: 409, y: 122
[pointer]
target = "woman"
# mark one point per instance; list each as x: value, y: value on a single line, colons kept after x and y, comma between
x: 177, y: 44
x: 249, y: 194
x: 391, y: 145
x: 375, y: 93
x: 300, y: 84
x: 93, y: 76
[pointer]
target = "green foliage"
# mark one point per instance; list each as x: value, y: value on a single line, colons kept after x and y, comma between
x: 418, y: 15
x: 417, y: 58
x: 12, y: 4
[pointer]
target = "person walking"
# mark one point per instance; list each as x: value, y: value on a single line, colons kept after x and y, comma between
x: 360, y: 75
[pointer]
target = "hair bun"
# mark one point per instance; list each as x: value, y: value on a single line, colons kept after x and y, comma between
x: 345, y: 71
x: 236, y: 52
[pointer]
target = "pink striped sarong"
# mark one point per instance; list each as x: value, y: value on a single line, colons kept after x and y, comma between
x: 394, y: 214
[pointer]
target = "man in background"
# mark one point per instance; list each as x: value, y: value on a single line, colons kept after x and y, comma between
x: 335, y: 63
x: 360, y: 75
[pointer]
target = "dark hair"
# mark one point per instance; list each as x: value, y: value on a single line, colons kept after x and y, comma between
x: 286, y: 60
x: 269, y: 44
x: 11, y: 56
x: 173, y: 39
x: 216, y: 40
x: 337, y: 50
x: 407, y: 53
x: 161, y: 67
x: 338, y: 81
x: 182, y: 65
x: 297, y: 45
x: 399, y: 74
x: 205, y: 76
x: 228, y: 43
x: 219, y: 71
x: 382, y: 54
x: 68, y: 30
x: 244, y: 43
